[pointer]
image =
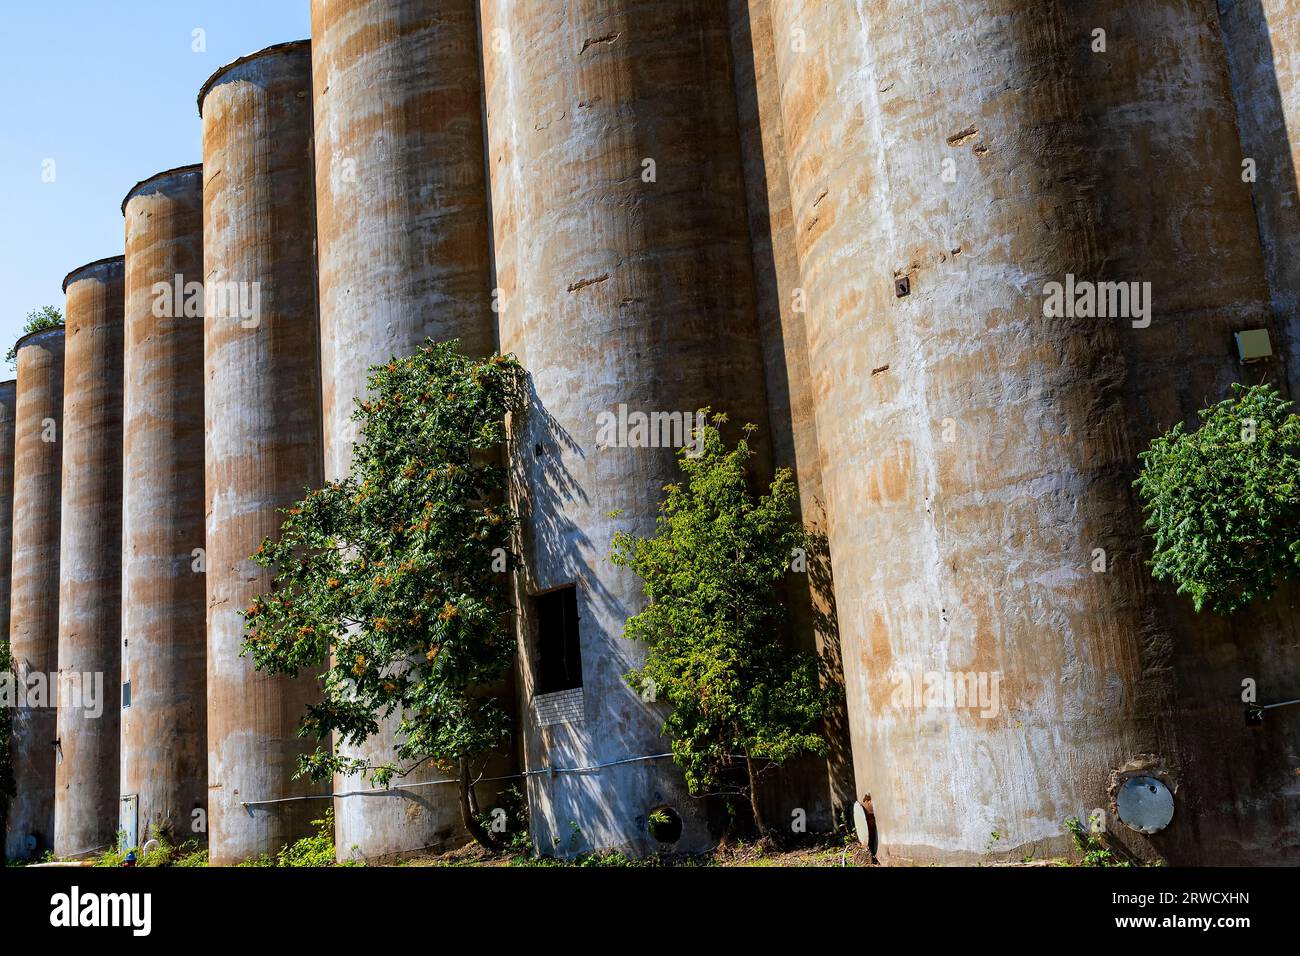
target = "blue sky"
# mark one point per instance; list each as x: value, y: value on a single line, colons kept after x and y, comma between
x: 106, y: 89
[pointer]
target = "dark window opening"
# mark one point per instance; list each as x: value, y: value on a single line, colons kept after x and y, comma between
x: 664, y: 824
x: 559, y: 664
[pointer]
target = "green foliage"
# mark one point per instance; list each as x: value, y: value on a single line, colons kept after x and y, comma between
x: 1222, y: 501
x: 191, y: 853
x: 314, y: 850
x: 161, y: 852
x: 116, y: 854
x: 392, y: 580
x: 1093, y: 851
x: 512, y: 801
x: 712, y: 572
x: 38, y: 320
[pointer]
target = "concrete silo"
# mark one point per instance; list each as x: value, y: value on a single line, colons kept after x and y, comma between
x: 34, y: 589
x: 402, y: 230
x: 8, y: 406
x: 164, y: 643
x: 262, y: 426
x: 90, y: 562
x: 816, y: 786
x: 624, y: 278
x: 948, y: 163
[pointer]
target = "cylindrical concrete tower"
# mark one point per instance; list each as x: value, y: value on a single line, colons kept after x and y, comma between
x: 90, y: 562
x: 625, y: 287
x: 262, y: 426
x: 8, y: 407
x: 401, y: 206
x: 164, y: 644
x: 780, y: 306
x: 34, y: 591
x: 949, y: 163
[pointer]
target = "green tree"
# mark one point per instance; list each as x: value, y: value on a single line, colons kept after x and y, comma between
x: 713, y: 572
x: 38, y: 320
x: 1222, y: 500
x: 394, y: 580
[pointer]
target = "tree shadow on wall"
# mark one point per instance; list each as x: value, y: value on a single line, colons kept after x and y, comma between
x: 814, y: 623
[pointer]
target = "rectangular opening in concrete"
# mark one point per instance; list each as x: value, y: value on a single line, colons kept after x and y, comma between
x: 559, y: 655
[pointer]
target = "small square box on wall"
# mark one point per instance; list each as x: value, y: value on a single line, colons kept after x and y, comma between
x: 1253, y: 345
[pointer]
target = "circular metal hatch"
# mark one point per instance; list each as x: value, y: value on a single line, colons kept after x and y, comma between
x: 1145, y: 804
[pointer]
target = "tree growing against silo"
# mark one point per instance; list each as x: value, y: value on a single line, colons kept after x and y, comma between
x: 38, y: 320
x: 1223, y: 500
x: 394, y: 579
x: 713, y: 571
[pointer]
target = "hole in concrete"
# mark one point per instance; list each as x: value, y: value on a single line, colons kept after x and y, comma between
x: 664, y: 824
x: 902, y: 286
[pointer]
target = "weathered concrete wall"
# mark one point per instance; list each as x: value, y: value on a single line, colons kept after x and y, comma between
x: 978, y: 452
x: 1263, y: 44
x: 8, y: 408
x: 34, y: 591
x: 401, y: 205
x: 613, y: 289
x: 780, y: 306
x: 262, y: 427
x: 90, y: 562
x: 164, y: 640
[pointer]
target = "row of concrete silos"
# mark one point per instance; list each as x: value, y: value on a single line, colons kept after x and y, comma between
x: 591, y: 210
x: 975, y: 453
x: 979, y: 452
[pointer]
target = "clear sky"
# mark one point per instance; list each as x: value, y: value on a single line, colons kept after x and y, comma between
x: 106, y: 90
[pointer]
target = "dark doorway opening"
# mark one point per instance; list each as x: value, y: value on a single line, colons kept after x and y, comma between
x: 559, y: 664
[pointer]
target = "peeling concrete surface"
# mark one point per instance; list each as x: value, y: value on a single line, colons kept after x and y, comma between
x: 262, y: 429
x: 973, y: 554
x: 401, y: 201
x: 579, y: 96
x: 34, y: 591
x: 164, y: 642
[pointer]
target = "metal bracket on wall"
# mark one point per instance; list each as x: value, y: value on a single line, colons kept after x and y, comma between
x: 1255, y: 712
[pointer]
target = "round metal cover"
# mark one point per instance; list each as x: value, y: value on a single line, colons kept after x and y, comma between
x: 1145, y: 804
x: 860, y: 824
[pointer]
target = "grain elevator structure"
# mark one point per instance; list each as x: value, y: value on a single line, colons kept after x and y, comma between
x: 959, y: 263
